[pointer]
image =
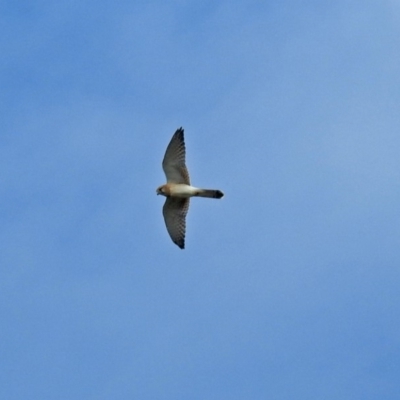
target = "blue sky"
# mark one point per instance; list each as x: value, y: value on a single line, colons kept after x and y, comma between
x: 288, y: 287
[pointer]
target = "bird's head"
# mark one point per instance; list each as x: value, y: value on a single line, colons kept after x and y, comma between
x: 160, y: 190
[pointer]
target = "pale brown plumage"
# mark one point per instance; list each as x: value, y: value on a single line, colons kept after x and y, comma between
x: 178, y: 190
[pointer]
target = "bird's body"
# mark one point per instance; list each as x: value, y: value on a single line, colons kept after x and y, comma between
x: 184, y: 191
x: 178, y: 189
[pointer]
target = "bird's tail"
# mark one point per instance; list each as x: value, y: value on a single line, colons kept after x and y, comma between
x: 211, y: 193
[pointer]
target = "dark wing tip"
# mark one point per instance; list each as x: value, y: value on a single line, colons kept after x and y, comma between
x: 180, y: 243
x: 218, y: 194
x: 179, y: 134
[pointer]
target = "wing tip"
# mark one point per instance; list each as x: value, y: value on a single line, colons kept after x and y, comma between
x: 179, y: 131
x: 180, y: 244
x: 179, y: 136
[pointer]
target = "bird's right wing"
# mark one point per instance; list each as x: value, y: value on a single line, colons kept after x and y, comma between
x: 174, y: 211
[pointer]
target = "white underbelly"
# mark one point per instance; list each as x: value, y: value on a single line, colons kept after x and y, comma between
x: 182, y: 190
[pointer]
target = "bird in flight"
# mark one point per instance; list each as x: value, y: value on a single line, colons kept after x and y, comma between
x: 178, y: 190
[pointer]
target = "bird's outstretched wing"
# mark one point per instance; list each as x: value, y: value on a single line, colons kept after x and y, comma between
x: 174, y: 163
x: 174, y: 211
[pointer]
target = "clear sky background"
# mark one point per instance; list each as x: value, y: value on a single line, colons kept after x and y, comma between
x: 288, y: 287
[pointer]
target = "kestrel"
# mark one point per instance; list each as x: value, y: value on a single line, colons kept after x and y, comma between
x: 178, y: 190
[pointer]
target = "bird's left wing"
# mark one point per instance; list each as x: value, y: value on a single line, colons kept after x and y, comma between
x: 174, y: 162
